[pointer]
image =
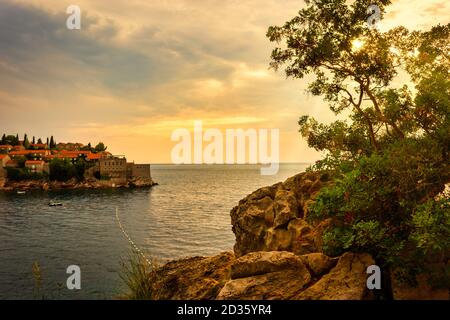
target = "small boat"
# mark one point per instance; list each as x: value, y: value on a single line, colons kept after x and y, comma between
x: 21, y: 192
x: 55, y: 204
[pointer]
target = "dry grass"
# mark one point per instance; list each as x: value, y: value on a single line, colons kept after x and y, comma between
x: 138, y: 274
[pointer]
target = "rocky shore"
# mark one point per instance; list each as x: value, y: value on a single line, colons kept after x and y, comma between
x: 44, y: 185
x: 277, y: 255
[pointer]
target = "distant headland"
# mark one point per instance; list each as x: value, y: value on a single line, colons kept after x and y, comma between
x: 34, y: 164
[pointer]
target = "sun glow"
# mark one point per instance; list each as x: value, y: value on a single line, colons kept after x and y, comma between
x: 357, y: 44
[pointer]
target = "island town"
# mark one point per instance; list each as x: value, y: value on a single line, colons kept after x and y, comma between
x: 35, y: 164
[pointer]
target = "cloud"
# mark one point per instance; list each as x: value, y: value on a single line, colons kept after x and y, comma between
x: 136, y: 68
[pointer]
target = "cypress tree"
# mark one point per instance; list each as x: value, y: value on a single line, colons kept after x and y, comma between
x: 26, y: 143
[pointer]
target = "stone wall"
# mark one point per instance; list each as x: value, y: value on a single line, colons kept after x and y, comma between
x: 115, y: 168
x: 141, y: 171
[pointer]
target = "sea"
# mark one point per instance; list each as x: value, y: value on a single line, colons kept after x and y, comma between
x: 187, y: 214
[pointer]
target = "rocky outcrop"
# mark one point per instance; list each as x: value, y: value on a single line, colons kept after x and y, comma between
x: 266, y: 275
x: 194, y: 278
x: 277, y: 255
x: 346, y: 281
x: 263, y: 275
x: 273, y: 218
x: 92, y: 183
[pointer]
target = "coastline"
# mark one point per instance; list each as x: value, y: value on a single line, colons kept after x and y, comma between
x: 278, y: 254
x: 29, y: 185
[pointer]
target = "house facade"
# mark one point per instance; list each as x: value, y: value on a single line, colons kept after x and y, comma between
x: 35, y: 166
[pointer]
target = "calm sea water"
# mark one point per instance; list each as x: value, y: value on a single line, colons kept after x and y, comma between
x: 186, y: 215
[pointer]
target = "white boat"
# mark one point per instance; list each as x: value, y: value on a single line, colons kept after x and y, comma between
x: 54, y: 204
x: 21, y: 192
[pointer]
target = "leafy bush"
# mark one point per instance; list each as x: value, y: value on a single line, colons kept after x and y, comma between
x: 21, y: 174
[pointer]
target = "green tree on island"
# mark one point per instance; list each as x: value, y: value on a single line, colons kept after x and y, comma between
x: 10, y: 140
x: 52, y: 144
x: 390, y: 159
x: 100, y: 147
x: 26, y: 142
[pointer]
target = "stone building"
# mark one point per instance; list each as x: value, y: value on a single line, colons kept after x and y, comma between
x: 138, y: 171
x: 115, y: 168
x: 35, y: 166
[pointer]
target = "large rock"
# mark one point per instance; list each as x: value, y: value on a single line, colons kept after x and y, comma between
x: 273, y: 218
x: 318, y: 263
x: 346, y: 281
x: 266, y: 275
x: 194, y: 278
x: 262, y: 262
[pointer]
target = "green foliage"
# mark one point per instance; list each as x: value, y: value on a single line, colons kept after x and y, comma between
x: 100, y: 147
x: 64, y: 170
x: 26, y: 142
x: 431, y: 226
x: 390, y: 158
x: 21, y: 174
x: 10, y: 139
x: 52, y: 144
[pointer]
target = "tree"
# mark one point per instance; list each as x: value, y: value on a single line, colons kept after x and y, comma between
x: 52, y: 143
x: 100, y: 147
x: 39, y: 141
x: 3, y: 139
x: 11, y: 140
x: 62, y: 170
x: 34, y: 140
x: 389, y: 159
x: 26, y: 143
x: 16, y: 140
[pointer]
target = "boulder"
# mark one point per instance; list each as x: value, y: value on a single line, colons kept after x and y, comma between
x: 194, y: 278
x: 346, y: 281
x: 281, y: 285
x: 273, y: 218
x: 262, y: 262
x: 318, y: 263
x: 266, y: 275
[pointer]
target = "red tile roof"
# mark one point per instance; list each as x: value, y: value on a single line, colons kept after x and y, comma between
x: 94, y: 156
x: 3, y: 156
x: 34, y: 162
x: 25, y: 152
x: 5, y: 146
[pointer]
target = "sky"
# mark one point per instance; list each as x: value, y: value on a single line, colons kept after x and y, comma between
x: 140, y: 69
